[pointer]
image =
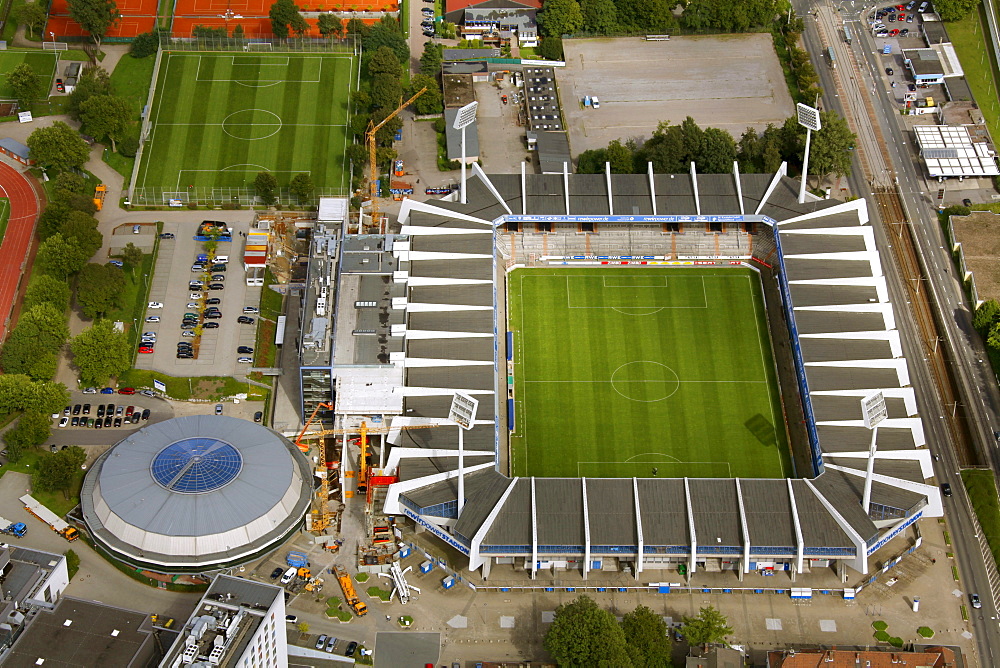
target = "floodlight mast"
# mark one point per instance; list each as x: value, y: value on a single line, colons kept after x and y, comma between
x: 463, y: 414
x: 465, y: 117
x: 873, y: 411
x: 809, y: 119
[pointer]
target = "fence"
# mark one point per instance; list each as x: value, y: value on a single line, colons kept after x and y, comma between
x: 144, y: 128
x: 201, y: 196
x: 261, y: 43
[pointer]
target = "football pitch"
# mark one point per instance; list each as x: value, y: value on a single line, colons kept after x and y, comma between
x: 643, y: 372
x: 42, y: 62
x: 219, y: 119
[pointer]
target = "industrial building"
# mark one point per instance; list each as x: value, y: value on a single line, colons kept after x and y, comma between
x: 442, y: 331
x: 30, y: 580
x: 196, y: 492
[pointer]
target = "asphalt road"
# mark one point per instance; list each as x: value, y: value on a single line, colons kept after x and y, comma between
x: 977, y: 385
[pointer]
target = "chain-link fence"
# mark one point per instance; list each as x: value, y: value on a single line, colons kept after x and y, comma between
x: 224, y: 197
x: 261, y: 44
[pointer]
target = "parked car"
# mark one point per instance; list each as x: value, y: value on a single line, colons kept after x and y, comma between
x: 210, y: 325
x: 246, y: 350
x: 129, y: 410
x: 145, y: 414
x: 63, y: 422
x: 75, y: 422
x: 350, y: 649
x: 134, y: 418
x: 218, y: 277
x: 258, y: 416
x: 108, y: 390
x: 147, y: 393
x: 86, y: 409
x: 76, y: 409
x: 251, y: 309
x: 167, y: 235
x: 118, y: 422
x: 321, y: 641
x: 218, y: 267
x: 213, y: 315
x: 216, y: 286
x: 212, y: 301
x: 188, y: 332
x: 244, y: 360
x: 100, y: 410
x: 155, y: 305
x: 244, y: 320
x: 59, y: 86
x: 966, y: 202
x: 286, y: 578
x: 107, y: 421
x: 330, y: 644
x: 888, y: 71
x: 218, y: 409
x: 276, y: 573
x: 145, y: 350
x: 152, y: 318
x: 127, y: 390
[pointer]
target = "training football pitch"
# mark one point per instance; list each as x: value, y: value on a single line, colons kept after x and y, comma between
x: 42, y: 62
x: 219, y: 119
x: 643, y: 372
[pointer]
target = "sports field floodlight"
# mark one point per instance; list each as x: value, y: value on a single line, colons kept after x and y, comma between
x: 809, y: 119
x: 873, y: 411
x: 465, y: 117
x: 463, y: 413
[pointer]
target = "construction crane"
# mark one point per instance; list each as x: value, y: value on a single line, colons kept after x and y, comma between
x: 370, y: 139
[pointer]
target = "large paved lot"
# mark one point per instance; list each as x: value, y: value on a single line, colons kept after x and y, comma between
x: 724, y: 81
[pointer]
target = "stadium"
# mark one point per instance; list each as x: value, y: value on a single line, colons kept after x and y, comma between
x: 195, y: 493
x: 669, y: 372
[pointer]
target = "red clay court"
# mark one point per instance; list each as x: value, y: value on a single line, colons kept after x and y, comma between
x: 17, y: 239
x: 138, y: 16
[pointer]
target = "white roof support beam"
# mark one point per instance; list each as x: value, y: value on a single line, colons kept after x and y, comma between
x: 860, y: 562
x: 534, y: 533
x: 652, y: 186
x: 800, y: 545
x: 478, y: 171
x: 692, y: 563
x: 566, y: 186
x: 524, y: 192
x: 607, y: 182
x: 475, y: 558
x: 743, y: 524
x: 694, y: 186
x: 782, y: 170
x: 586, y: 529
x: 739, y: 186
x: 638, y: 528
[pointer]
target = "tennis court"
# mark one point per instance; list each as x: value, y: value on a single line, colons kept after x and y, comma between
x: 643, y: 372
x: 138, y: 16
x: 42, y: 62
x: 219, y: 119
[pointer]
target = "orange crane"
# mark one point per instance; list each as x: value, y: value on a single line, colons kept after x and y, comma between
x: 370, y: 139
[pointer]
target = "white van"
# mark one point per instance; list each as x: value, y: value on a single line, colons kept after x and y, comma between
x: 221, y: 259
x: 289, y: 575
x: 595, y: 102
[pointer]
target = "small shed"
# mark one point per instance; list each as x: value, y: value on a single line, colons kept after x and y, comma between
x: 15, y: 150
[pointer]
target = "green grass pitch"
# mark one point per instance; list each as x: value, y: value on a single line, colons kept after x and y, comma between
x: 219, y: 119
x: 623, y: 372
x: 42, y: 62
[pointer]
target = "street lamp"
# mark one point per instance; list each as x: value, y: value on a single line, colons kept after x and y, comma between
x: 53, y: 36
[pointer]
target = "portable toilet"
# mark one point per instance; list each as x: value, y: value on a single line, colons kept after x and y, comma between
x: 448, y: 582
x: 586, y: 100
x: 427, y: 566
x: 404, y: 551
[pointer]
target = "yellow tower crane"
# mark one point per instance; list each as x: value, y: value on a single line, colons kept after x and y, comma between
x: 372, y: 166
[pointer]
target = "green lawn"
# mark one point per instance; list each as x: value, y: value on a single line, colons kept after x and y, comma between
x: 130, y: 80
x: 42, y: 62
x: 4, y: 215
x: 284, y: 113
x: 977, y: 63
x: 134, y: 298
x: 622, y: 371
x: 983, y: 494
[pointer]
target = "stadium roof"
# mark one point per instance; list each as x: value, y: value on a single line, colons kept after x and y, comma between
x: 196, y: 490
x: 845, y: 330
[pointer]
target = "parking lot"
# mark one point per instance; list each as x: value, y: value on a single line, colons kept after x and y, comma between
x: 215, y: 351
x: 724, y: 81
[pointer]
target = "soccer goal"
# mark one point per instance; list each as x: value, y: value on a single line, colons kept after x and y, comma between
x: 258, y: 46
x: 173, y: 198
x: 55, y: 46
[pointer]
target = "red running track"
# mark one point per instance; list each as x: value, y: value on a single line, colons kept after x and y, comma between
x: 17, y: 239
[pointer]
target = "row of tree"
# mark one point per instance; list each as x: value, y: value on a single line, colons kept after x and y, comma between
x: 583, y: 634
x: 672, y: 148
x: 613, y: 17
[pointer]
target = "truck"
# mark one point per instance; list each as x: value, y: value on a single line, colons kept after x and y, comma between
x: 100, y: 192
x: 351, y: 596
x: 18, y: 529
x: 55, y: 522
x: 296, y: 559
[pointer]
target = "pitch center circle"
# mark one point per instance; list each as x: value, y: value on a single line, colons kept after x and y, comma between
x: 251, y: 124
x: 645, y: 381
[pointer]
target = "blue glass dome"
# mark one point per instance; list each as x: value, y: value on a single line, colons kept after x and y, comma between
x: 196, y: 465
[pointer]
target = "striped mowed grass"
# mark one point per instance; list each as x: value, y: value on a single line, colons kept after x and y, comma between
x: 219, y: 119
x: 42, y: 62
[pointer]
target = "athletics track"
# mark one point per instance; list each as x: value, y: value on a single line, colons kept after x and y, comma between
x: 17, y: 239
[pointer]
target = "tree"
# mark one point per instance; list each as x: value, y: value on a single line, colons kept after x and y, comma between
x: 132, y: 255
x: 146, y: 44
x: 583, y: 634
x: 100, y: 352
x: 386, y: 33
x: 710, y: 626
x: 329, y: 24
x: 592, y: 161
x: 716, y: 152
x: 648, y: 638
x: 43, y: 289
x: 93, y: 81
x: 551, y: 48
x: 430, y: 59
x: 560, y: 17
x: 33, y: 344
x: 302, y: 186
x: 59, y: 257
x: 748, y: 152
x: 25, y: 84
x: 955, y: 10
x: 384, y: 61
x: 32, y: 15
x: 58, y: 147
x: 298, y: 24
x: 600, y: 17
x: 665, y: 149
x: 81, y: 229
x: 282, y: 14
x: 20, y: 393
x: 385, y: 92
x: 57, y: 472
x: 96, y: 17
x: 431, y: 102
x: 265, y: 184
x: 32, y: 429
x: 239, y: 32
x: 621, y: 158
x: 832, y: 147
x: 99, y: 289
x: 107, y: 116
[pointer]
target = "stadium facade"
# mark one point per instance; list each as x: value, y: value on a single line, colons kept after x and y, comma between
x: 195, y: 493
x: 445, y: 311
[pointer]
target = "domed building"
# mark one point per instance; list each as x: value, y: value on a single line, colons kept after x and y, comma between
x: 196, y: 492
